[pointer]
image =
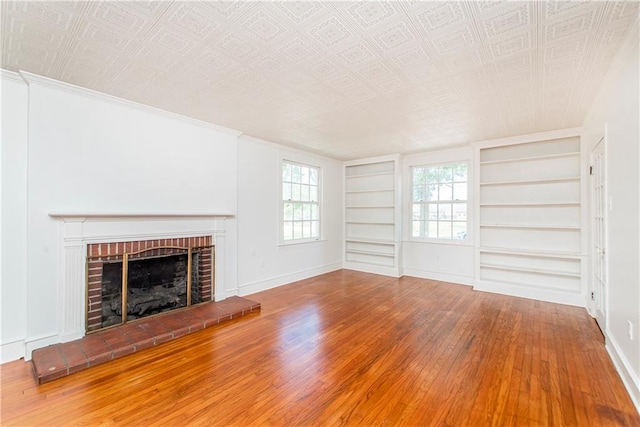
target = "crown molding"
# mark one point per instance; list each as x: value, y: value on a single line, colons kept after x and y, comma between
x: 459, y: 152
x: 282, y: 148
x: 12, y: 75
x: 438, y: 148
x: 79, y: 90
x: 376, y: 159
x: 532, y: 137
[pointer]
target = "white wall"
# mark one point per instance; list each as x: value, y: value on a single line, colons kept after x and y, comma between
x: 14, y: 216
x: 451, y: 261
x: 262, y: 262
x: 88, y: 152
x: 67, y: 149
x: 617, y: 110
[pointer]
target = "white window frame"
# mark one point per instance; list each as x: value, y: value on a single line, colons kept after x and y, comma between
x: 467, y: 202
x: 282, y: 202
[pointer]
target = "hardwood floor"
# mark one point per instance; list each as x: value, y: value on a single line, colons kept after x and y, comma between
x: 350, y: 348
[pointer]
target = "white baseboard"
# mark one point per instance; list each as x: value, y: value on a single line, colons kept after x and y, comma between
x: 72, y: 336
x: 35, y: 343
x: 371, y: 268
x: 11, y: 351
x: 230, y: 293
x: 226, y: 294
x: 629, y: 378
x: 441, y: 277
x: 39, y: 342
x: 540, y: 294
x: 274, y: 282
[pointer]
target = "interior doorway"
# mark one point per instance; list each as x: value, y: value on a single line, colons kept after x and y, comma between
x: 599, y: 232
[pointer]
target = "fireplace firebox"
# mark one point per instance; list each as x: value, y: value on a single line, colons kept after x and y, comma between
x: 131, y: 280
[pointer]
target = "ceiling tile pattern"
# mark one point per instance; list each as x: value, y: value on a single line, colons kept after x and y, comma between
x: 346, y: 79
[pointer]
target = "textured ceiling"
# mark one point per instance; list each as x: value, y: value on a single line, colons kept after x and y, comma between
x: 346, y: 79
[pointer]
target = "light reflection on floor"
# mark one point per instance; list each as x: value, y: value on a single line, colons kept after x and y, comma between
x: 301, y: 344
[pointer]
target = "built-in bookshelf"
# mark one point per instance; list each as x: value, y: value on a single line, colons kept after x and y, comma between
x: 371, y: 231
x: 530, y: 219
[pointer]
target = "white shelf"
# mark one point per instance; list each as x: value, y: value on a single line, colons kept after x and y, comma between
x: 531, y: 253
x: 530, y: 148
x: 368, y: 263
x: 484, y: 281
x: 365, y: 175
x: 532, y: 158
x: 370, y: 222
x: 530, y: 215
x: 358, y: 251
x: 371, y: 207
x: 533, y: 226
x: 375, y: 190
x: 530, y: 204
x: 533, y: 181
x: 370, y: 168
x: 529, y: 270
x: 370, y: 213
x: 373, y: 241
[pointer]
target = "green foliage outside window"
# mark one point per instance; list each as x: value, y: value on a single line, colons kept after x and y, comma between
x: 300, y: 202
x: 439, y: 201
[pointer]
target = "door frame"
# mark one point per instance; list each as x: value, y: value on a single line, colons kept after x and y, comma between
x: 600, y: 300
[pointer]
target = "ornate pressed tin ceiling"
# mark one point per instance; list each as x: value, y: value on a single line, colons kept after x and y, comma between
x: 346, y: 79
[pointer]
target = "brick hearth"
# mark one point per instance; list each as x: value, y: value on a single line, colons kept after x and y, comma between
x: 59, y: 360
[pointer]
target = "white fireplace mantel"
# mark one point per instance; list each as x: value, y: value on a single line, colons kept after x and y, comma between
x: 101, y: 215
x: 102, y: 227
x: 78, y: 229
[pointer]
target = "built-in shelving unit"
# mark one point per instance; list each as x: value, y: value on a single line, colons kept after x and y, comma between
x: 372, y: 235
x: 530, y: 219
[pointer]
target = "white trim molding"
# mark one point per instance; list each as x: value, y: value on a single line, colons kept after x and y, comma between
x: 440, y: 277
x: 68, y: 87
x: 522, y: 291
x: 373, y: 269
x: 532, y: 137
x: 39, y: 342
x: 12, y: 75
x: 622, y: 365
x: 12, y: 350
x: 77, y: 230
x: 274, y: 282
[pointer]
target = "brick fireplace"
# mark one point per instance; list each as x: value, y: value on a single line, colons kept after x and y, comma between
x: 160, y: 278
x: 84, y: 235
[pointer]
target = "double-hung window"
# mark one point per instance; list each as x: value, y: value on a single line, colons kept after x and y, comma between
x: 300, y: 204
x: 439, y: 201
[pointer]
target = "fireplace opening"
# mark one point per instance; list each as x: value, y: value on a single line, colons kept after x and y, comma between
x: 154, y: 285
x: 159, y: 276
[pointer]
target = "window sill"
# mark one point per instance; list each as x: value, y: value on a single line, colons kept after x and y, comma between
x: 300, y: 242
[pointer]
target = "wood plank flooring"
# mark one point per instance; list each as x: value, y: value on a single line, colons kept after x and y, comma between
x: 59, y: 360
x: 349, y: 348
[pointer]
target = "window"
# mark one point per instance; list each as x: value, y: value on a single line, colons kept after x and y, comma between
x: 300, y: 202
x: 439, y: 201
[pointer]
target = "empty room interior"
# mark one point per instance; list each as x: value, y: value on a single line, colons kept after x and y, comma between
x: 320, y: 213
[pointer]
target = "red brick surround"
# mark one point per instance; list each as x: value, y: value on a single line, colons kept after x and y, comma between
x: 98, y: 253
